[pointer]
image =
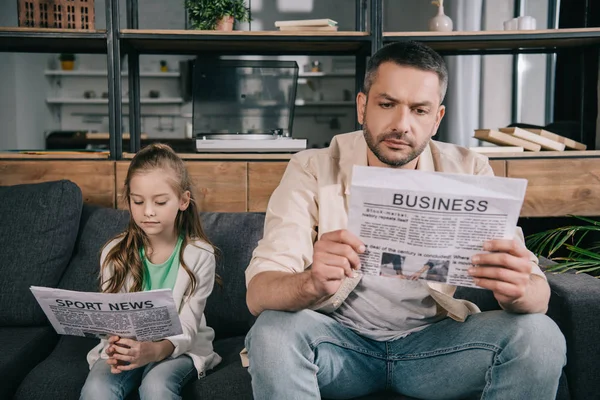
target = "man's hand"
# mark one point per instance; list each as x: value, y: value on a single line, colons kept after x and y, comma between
x: 335, y: 257
x: 506, y: 271
x: 127, y: 354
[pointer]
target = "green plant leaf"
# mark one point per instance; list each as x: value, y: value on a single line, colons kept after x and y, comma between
x: 205, y: 14
x: 569, y: 238
x: 584, y: 252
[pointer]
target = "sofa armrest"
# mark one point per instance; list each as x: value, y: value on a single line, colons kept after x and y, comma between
x: 575, y: 307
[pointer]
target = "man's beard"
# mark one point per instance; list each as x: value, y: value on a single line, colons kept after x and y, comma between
x: 374, y: 145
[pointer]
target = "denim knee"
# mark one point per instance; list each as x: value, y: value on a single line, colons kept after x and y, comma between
x: 539, y: 341
x: 97, y: 388
x: 156, y: 388
x: 277, y: 332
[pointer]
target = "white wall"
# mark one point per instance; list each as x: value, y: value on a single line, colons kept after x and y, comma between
x: 8, y: 133
x: 496, y: 71
x: 23, y: 113
x: 8, y: 139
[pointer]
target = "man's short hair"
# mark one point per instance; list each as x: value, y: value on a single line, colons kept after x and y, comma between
x: 408, y: 54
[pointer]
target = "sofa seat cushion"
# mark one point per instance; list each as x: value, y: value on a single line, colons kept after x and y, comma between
x: 236, y: 236
x: 228, y: 380
x: 38, y: 229
x: 22, y: 349
x: 97, y: 226
x: 62, y: 374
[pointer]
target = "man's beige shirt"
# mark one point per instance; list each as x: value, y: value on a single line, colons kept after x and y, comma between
x: 313, y: 197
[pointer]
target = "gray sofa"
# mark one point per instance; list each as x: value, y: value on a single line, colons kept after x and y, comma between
x: 48, y: 237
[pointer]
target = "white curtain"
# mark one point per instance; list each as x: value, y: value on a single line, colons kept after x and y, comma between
x: 464, y: 81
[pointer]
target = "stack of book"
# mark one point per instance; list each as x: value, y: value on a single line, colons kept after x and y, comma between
x: 307, y: 25
x: 519, y: 139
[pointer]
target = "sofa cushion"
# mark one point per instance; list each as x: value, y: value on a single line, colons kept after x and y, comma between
x: 22, y: 349
x: 235, y: 235
x: 61, y: 375
x: 229, y: 380
x: 38, y: 228
x: 98, y: 225
x: 484, y: 298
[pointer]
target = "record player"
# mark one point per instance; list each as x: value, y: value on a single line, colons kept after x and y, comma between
x: 245, y: 106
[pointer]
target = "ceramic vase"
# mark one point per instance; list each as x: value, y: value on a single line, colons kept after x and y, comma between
x: 441, y: 22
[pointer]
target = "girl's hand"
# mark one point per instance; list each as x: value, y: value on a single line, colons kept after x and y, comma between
x: 110, y: 350
x: 128, y: 354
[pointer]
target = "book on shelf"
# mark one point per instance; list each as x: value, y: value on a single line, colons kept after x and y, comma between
x: 569, y: 143
x: 306, y: 22
x: 100, y: 135
x: 497, y: 149
x: 308, y: 28
x: 547, y: 144
x: 504, y: 139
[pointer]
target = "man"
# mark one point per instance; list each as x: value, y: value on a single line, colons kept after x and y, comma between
x: 324, y: 329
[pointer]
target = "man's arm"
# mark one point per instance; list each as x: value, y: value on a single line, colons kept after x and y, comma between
x: 276, y: 290
x: 335, y: 257
x: 279, y: 277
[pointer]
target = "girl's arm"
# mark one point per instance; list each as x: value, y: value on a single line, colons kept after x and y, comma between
x: 192, y: 311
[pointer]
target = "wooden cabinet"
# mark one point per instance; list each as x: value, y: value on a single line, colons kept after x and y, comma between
x: 558, y: 187
x: 95, y: 178
x: 263, y: 178
x: 219, y: 186
x: 499, y: 167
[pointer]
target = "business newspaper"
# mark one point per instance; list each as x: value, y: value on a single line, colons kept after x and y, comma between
x: 143, y: 316
x: 428, y: 225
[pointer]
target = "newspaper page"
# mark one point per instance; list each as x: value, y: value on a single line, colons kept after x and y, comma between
x: 428, y: 225
x: 143, y: 316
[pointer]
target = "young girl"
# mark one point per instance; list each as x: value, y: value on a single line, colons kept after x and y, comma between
x: 164, y: 247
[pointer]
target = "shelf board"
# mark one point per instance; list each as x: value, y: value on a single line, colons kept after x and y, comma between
x: 303, y: 103
x: 507, y: 42
x: 227, y: 156
x: 84, y: 73
x: 36, y: 40
x: 82, y: 101
x: 325, y: 74
x: 545, y: 154
x: 49, y: 154
x: 243, y: 42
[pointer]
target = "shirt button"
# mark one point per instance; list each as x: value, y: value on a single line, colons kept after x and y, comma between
x: 336, y: 303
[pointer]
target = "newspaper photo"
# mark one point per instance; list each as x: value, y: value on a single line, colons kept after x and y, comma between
x: 143, y: 316
x: 428, y: 225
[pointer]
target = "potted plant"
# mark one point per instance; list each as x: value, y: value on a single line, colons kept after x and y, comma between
x: 67, y: 61
x: 565, y: 245
x: 163, y: 66
x: 216, y: 14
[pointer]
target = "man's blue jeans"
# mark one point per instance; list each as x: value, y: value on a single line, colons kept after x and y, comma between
x: 163, y: 380
x: 493, y: 355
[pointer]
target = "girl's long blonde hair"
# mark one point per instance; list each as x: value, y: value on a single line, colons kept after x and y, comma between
x: 125, y: 256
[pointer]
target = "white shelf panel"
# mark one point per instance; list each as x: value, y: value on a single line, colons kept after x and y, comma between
x: 65, y: 100
x: 325, y: 74
x: 84, y: 73
x: 303, y: 103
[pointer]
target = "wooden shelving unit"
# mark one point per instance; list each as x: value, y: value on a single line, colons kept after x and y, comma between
x: 34, y: 40
x: 490, y: 42
x: 115, y: 42
x: 243, y: 42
